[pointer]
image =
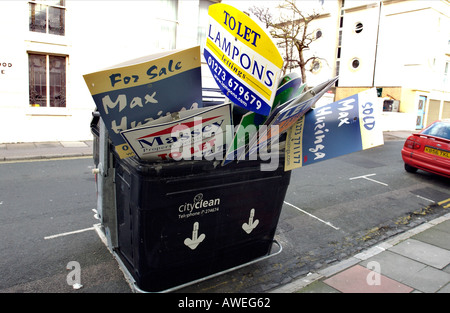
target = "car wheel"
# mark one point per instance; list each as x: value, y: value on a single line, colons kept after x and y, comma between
x: 410, y: 169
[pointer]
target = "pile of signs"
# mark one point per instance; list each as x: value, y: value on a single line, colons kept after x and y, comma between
x: 152, y: 106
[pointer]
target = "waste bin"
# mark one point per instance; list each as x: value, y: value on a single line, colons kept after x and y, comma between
x: 181, y: 221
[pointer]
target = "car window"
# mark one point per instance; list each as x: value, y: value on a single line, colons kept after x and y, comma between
x: 438, y: 129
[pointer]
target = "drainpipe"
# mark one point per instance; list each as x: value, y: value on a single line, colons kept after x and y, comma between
x: 376, y: 45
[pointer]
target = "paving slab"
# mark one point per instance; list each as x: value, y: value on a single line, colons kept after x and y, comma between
x: 435, y: 237
x: 428, y: 280
x: 394, y: 265
x: 20, y: 146
x: 358, y: 279
x: 46, y: 145
x: 444, y: 226
x: 319, y: 287
x: 423, y: 252
x: 73, y: 144
x: 331, y: 270
x: 445, y: 289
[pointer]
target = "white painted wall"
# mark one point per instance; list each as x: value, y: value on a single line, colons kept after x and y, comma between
x: 98, y: 34
x: 412, y: 51
x: 360, y: 46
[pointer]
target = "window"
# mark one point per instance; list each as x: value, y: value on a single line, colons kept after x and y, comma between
x: 168, y: 21
x: 203, y: 18
x: 47, y: 80
x: 439, y: 129
x: 47, y: 16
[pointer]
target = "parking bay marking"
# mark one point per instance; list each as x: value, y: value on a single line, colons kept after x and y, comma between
x: 94, y: 227
x: 69, y: 233
x: 367, y: 178
x: 313, y: 216
x: 426, y: 199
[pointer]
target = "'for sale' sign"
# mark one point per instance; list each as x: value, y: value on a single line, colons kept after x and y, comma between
x: 243, y: 59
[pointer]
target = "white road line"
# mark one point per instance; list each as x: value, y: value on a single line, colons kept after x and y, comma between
x: 307, y: 213
x: 426, y: 199
x: 367, y: 178
x: 69, y: 233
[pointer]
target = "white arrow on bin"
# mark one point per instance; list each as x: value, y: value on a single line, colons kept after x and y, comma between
x: 251, y: 225
x: 196, y: 239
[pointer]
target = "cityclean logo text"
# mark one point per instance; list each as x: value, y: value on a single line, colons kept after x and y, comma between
x: 198, y: 207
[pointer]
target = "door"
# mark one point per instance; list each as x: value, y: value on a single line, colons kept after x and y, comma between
x: 421, y: 112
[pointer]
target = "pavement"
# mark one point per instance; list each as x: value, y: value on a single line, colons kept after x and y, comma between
x: 44, y: 150
x: 416, y: 261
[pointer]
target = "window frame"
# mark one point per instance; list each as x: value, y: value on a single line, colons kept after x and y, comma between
x: 168, y: 24
x: 203, y: 18
x: 48, y: 82
x: 48, y: 5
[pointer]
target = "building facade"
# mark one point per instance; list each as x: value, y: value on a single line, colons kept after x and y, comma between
x: 48, y: 45
x: 401, y: 47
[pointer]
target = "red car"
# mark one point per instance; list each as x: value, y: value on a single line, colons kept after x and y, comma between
x: 429, y: 150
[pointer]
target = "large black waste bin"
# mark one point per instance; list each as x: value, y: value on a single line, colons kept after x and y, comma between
x: 181, y: 221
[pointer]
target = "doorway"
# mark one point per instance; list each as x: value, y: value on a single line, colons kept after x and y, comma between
x: 421, y: 112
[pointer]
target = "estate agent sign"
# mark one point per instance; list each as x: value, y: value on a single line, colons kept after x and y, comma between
x: 243, y: 59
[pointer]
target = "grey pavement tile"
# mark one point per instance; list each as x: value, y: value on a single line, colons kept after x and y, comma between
x: 435, y: 237
x: 333, y: 269
x: 394, y: 265
x: 318, y: 287
x: 428, y: 280
x: 445, y: 289
x: 444, y: 226
x: 20, y: 146
x: 53, y: 144
x: 423, y: 252
x: 73, y: 144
